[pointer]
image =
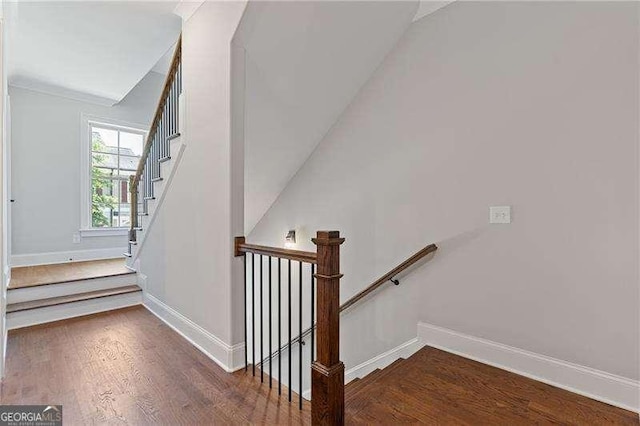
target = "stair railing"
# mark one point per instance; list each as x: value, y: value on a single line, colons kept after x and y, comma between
x: 164, y: 127
x: 323, y: 288
x: 327, y: 371
x: 389, y: 277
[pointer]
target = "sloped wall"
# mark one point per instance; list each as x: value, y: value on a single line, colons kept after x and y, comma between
x: 528, y: 104
x: 305, y: 61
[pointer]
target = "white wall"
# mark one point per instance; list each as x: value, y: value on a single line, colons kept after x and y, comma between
x: 5, y: 272
x: 46, y: 152
x: 533, y: 105
x: 188, y: 258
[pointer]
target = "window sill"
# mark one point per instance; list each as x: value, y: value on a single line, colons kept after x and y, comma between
x: 104, y: 232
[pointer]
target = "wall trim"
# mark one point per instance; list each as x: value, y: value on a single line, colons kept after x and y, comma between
x: 32, y: 259
x: 229, y: 357
x: 595, y: 384
x: 53, y: 90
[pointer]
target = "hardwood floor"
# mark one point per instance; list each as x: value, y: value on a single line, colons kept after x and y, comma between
x: 30, y: 276
x: 435, y: 387
x: 127, y: 367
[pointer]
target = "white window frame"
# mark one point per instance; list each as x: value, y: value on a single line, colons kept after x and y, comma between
x: 87, y: 121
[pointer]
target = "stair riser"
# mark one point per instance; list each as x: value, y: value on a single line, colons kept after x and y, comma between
x: 17, y: 295
x: 70, y: 310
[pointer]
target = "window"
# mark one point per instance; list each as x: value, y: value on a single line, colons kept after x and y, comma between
x: 115, y: 152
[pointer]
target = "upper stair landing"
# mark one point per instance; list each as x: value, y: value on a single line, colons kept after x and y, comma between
x: 32, y: 276
x: 45, y: 293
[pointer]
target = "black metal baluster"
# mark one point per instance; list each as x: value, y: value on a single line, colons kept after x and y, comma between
x: 313, y: 311
x: 253, y: 313
x: 279, y: 326
x: 154, y: 147
x: 165, y: 125
x: 290, y: 354
x: 300, y: 341
x: 170, y: 114
x: 270, y: 316
x: 245, y: 313
x: 156, y: 155
x: 179, y: 78
x: 172, y: 127
x: 261, y: 322
x: 160, y: 143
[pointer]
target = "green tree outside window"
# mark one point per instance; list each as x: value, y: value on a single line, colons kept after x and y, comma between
x: 100, y: 186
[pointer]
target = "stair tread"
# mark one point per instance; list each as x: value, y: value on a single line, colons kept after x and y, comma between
x: 354, y: 385
x: 60, y: 273
x: 372, y: 379
x: 52, y: 301
x: 364, y: 381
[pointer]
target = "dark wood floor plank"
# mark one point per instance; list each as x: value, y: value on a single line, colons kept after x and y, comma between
x: 435, y: 384
x: 128, y: 367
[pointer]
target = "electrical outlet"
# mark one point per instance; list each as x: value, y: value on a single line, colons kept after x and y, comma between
x: 76, y: 238
x: 500, y: 214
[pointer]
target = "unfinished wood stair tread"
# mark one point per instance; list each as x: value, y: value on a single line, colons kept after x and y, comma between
x: 52, y: 301
x: 32, y: 276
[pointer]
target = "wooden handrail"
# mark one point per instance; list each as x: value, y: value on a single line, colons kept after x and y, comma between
x: 377, y: 283
x: 389, y: 275
x: 175, y: 62
x: 301, y: 256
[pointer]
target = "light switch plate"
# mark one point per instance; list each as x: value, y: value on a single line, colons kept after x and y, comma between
x: 500, y: 214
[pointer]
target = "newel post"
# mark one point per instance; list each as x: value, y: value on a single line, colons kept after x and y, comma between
x: 327, y: 372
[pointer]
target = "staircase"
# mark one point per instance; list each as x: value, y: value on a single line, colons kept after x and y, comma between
x: 159, y: 158
x: 150, y: 205
x: 45, y: 293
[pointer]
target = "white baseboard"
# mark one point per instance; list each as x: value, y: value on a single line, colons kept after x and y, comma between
x: 230, y: 358
x: 404, y: 350
x: 65, y: 256
x: 599, y: 385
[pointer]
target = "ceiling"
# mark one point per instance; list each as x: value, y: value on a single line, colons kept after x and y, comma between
x: 97, y: 51
x: 305, y: 62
